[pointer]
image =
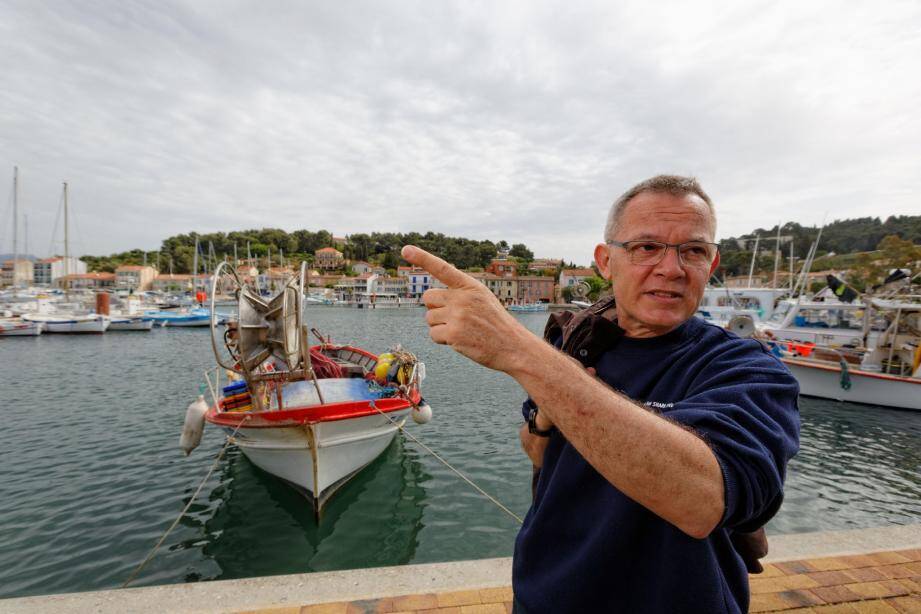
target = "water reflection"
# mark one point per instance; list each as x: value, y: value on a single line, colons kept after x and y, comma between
x: 858, y: 466
x: 264, y: 527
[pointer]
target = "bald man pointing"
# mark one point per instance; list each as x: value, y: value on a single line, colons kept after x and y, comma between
x: 676, y: 438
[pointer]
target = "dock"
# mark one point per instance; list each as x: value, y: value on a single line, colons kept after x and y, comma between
x: 855, y: 571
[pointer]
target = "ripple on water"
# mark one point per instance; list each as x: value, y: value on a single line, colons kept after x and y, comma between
x: 93, y: 475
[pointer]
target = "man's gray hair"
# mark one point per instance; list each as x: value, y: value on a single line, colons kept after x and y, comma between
x: 676, y: 185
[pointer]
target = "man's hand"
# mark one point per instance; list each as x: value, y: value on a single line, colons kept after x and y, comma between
x: 533, y: 445
x: 467, y: 316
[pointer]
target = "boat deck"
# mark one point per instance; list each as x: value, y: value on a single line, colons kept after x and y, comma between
x: 877, y: 582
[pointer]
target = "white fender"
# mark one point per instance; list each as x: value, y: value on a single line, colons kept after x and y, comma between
x: 194, y: 425
x: 422, y: 413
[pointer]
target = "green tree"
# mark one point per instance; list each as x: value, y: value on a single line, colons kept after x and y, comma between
x: 520, y: 250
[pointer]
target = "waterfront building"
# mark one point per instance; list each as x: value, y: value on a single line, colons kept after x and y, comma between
x: 86, y: 281
x: 541, y: 265
x: 504, y: 288
x: 134, y: 278
x: 418, y: 280
x: 276, y: 278
x: 48, y: 270
x: 170, y: 283
x: 503, y: 266
x: 325, y: 280
x: 328, y: 259
x: 360, y: 266
x: 383, y: 284
x: 348, y: 288
x: 18, y: 272
x: 571, y: 277
x: 535, y: 289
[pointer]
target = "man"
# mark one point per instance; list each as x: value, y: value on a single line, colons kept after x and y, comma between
x: 676, y: 438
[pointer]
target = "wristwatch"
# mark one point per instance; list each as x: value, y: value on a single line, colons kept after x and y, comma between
x: 532, y: 425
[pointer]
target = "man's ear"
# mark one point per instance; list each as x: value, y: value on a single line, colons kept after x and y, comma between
x: 603, y: 260
x: 716, y: 263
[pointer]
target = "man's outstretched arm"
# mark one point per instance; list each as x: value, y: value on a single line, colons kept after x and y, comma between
x: 658, y: 464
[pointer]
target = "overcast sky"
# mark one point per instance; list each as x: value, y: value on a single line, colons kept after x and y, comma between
x: 496, y: 120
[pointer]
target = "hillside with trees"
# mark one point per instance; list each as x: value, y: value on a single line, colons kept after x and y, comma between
x: 842, y: 241
x: 380, y: 248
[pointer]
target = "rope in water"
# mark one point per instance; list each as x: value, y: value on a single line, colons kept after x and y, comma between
x: 448, y: 465
x: 217, y: 460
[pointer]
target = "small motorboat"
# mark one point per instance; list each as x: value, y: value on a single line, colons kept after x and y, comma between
x: 311, y: 416
x: 130, y: 322
x: 198, y: 316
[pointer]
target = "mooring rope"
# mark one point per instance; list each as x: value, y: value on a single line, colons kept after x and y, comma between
x: 217, y: 460
x: 448, y: 465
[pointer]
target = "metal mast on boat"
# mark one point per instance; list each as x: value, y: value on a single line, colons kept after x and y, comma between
x: 15, y: 221
x: 66, y: 237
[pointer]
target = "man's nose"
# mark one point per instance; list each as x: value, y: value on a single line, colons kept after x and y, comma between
x: 670, y: 265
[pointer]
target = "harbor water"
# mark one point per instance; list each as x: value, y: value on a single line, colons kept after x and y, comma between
x: 93, y: 476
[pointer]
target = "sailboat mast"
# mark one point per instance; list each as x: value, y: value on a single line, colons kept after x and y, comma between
x: 195, y: 267
x: 66, y: 235
x: 15, y: 220
x: 754, y: 258
x: 776, y: 257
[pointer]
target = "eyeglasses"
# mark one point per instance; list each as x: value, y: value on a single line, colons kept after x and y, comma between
x: 651, y: 253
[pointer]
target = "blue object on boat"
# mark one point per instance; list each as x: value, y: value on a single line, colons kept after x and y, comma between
x: 234, y: 388
x: 799, y: 321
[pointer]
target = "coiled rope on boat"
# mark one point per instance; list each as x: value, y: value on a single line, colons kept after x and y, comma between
x: 448, y: 465
x: 214, y: 465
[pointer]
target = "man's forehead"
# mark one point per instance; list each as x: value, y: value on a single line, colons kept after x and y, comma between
x: 646, y: 215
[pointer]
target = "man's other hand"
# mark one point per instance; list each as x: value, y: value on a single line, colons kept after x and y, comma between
x: 467, y: 316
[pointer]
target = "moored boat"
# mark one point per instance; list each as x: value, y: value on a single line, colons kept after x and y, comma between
x: 883, y: 366
x: 17, y: 327
x: 311, y: 416
x: 141, y: 323
x: 77, y: 324
x: 528, y: 307
x: 190, y: 317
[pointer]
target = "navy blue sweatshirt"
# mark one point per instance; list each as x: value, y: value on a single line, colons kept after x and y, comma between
x: 587, y: 547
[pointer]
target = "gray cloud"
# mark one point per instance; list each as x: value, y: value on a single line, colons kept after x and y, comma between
x: 520, y: 121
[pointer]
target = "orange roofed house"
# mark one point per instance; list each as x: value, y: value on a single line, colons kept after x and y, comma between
x: 328, y: 259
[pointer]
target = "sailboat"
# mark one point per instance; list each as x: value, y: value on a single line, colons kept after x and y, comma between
x: 59, y: 321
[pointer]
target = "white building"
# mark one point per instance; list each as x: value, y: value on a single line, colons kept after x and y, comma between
x: 48, y: 270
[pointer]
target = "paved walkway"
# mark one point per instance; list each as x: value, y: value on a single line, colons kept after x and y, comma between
x: 865, y: 583
x: 857, y: 570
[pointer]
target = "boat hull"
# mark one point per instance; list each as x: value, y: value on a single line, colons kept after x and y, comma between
x: 823, y: 379
x: 20, y: 329
x: 78, y: 325
x: 319, y: 458
x: 141, y: 324
x: 189, y: 322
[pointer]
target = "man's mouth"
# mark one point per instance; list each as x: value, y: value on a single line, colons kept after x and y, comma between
x: 666, y: 294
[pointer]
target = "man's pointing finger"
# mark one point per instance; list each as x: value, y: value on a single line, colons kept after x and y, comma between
x: 444, y: 272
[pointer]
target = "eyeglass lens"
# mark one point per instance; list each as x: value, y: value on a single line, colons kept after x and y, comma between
x: 692, y: 253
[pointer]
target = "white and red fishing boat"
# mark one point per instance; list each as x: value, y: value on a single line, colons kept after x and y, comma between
x: 17, y: 327
x: 312, y: 416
